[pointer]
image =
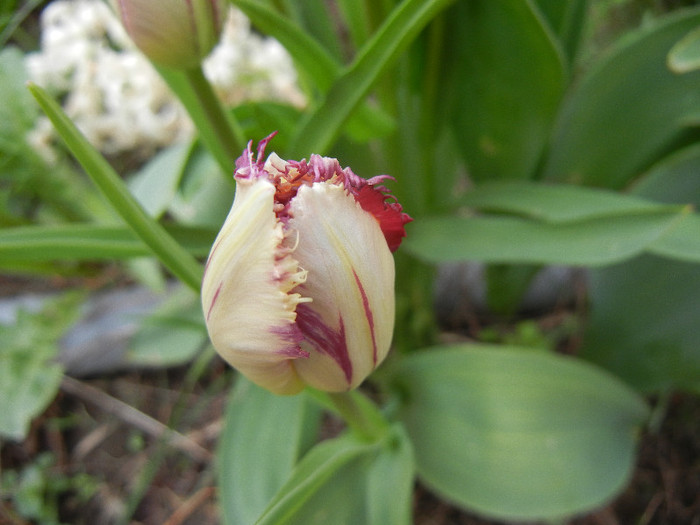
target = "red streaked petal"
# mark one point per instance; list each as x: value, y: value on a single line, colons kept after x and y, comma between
x: 351, y: 283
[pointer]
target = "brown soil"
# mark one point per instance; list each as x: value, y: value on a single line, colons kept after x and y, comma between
x: 171, y: 482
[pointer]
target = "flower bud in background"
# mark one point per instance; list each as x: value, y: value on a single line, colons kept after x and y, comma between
x: 299, y: 285
x: 173, y: 33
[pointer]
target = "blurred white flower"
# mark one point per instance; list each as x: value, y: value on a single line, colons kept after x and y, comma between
x: 114, y: 95
x: 247, y: 66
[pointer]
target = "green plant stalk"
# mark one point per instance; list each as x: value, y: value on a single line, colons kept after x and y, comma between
x: 218, y: 130
x: 224, y: 125
x: 359, y: 412
x: 320, y: 128
x: 428, y: 128
x: 163, y: 246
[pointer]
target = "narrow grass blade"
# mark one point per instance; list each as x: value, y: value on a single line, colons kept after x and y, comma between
x: 170, y: 253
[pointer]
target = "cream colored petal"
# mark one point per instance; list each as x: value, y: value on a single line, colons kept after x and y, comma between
x: 250, y: 314
x: 348, y: 325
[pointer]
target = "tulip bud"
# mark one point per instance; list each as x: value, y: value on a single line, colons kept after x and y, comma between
x: 299, y: 285
x: 174, y: 33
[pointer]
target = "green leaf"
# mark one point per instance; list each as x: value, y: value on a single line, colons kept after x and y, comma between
x: 567, y: 19
x: 588, y: 242
x: 170, y: 253
x: 506, y: 77
x: 264, y: 436
x: 391, y: 479
x: 555, y: 203
x: 89, y: 242
x: 323, y: 125
x: 347, y: 480
x: 674, y: 179
x: 627, y: 110
x: 258, y: 118
x: 517, y: 434
x: 357, y: 20
x: 172, y: 334
x: 10, y: 24
x: 204, y: 197
x: 644, y: 324
x: 684, y: 57
x: 29, y: 377
x: 682, y: 242
x: 155, y: 184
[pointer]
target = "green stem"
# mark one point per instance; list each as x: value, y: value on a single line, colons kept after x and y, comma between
x: 218, y: 130
x: 225, y: 127
x: 153, y: 234
x: 360, y: 413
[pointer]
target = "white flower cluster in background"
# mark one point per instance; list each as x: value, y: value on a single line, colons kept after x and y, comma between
x: 248, y: 66
x: 116, y: 98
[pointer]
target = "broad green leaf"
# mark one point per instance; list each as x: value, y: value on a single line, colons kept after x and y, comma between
x: 347, y: 481
x: 567, y: 19
x: 204, y: 197
x: 169, y: 252
x: 675, y: 180
x: 517, y: 434
x: 29, y: 377
x: 682, y: 242
x: 506, y: 78
x: 644, y: 323
x: 323, y: 125
x: 89, y: 242
x: 588, y: 242
x: 172, y: 334
x: 155, y: 184
x: 390, y: 482
x: 264, y: 436
x: 627, y: 110
x: 684, y: 57
x: 555, y: 203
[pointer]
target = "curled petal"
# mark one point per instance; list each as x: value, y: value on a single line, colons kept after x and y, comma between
x: 246, y: 292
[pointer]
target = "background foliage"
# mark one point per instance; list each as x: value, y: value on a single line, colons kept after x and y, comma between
x: 522, y: 134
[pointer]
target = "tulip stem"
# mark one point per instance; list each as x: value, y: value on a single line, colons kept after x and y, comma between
x: 218, y: 129
x: 225, y: 127
x: 360, y: 413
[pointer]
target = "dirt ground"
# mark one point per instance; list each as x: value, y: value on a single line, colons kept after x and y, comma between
x: 113, y: 429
